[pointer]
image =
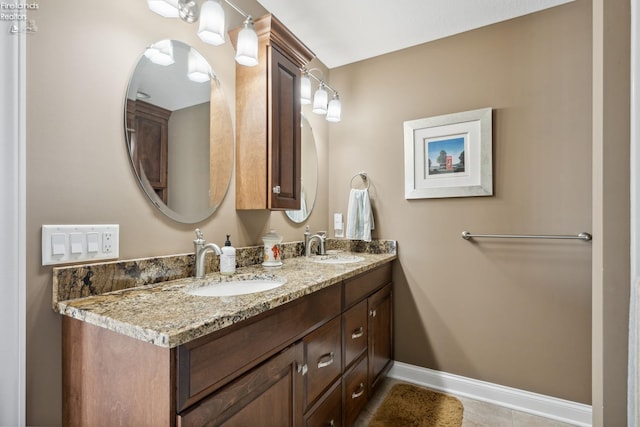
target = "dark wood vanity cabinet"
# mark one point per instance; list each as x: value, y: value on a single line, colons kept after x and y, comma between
x: 268, y: 133
x: 314, y: 361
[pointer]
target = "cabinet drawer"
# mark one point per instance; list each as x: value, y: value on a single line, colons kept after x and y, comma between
x: 359, y: 287
x: 355, y: 332
x: 329, y: 411
x: 323, y: 357
x: 207, y: 363
x: 355, y: 391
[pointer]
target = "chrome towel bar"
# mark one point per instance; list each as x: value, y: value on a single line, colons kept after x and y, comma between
x: 580, y: 236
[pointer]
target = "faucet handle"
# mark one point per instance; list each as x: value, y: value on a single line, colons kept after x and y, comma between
x: 199, y: 236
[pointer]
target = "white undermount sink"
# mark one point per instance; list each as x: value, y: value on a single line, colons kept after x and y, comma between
x: 237, y: 287
x: 336, y: 259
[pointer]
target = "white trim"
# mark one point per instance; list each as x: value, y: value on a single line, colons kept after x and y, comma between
x: 13, y: 220
x: 545, y: 406
x: 633, y: 382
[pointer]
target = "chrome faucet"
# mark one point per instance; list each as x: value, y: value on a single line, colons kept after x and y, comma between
x: 201, y: 247
x: 320, y: 237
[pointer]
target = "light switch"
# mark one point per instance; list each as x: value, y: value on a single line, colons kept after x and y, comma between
x: 92, y: 243
x: 57, y: 244
x: 75, y: 241
x: 66, y: 243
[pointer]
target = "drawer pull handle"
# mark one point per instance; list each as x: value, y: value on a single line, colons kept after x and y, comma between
x: 357, y: 333
x: 359, y: 392
x: 324, y: 363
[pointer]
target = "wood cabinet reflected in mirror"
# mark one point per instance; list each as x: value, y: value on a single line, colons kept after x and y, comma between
x: 179, y: 132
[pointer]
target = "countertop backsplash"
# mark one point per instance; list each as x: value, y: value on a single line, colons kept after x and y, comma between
x: 78, y: 281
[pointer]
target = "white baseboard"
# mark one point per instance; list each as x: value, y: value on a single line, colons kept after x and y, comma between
x: 545, y: 406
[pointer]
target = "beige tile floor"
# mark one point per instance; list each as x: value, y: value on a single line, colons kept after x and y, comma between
x: 476, y: 413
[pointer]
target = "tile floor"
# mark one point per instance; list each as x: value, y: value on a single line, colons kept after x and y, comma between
x: 476, y: 413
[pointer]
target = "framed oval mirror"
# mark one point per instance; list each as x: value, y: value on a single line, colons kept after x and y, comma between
x: 178, y: 131
x: 309, y: 174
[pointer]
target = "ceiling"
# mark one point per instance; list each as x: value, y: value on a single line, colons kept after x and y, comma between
x: 340, y: 32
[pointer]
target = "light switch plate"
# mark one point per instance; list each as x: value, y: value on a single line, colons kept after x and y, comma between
x: 63, y: 244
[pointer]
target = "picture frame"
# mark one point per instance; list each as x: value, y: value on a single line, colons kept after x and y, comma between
x: 449, y: 155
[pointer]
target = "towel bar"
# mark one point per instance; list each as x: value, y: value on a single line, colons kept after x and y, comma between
x: 580, y: 236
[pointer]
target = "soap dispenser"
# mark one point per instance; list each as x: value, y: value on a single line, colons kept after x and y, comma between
x: 228, y: 258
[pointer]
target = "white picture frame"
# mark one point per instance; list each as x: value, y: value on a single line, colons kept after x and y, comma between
x: 449, y: 155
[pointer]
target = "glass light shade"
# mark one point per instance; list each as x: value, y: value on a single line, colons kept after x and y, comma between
x: 212, y: 23
x: 320, y: 100
x: 247, y: 46
x: 198, y: 69
x: 305, y: 90
x: 164, y: 54
x: 166, y: 8
x: 335, y: 109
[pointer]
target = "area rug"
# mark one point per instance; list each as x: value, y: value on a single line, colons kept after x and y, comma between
x: 410, y: 406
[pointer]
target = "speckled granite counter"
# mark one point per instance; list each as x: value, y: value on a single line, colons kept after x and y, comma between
x: 165, y: 315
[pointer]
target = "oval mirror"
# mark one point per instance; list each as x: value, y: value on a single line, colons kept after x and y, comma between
x: 309, y: 174
x: 179, y: 132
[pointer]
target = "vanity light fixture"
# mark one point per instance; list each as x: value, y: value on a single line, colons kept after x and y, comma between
x: 160, y: 53
x: 198, y: 69
x: 320, y: 99
x: 211, y: 29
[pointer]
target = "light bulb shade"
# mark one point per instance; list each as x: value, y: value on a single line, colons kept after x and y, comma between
x: 161, y: 53
x: 320, y: 100
x: 198, y: 69
x: 305, y: 90
x: 212, y: 23
x: 247, y: 46
x: 334, y: 111
x: 166, y: 8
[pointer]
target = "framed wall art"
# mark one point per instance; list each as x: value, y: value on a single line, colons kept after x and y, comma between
x: 449, y: 155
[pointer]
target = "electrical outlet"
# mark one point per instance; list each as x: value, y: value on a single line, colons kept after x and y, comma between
x: 62, y: 244
x: 107, y: 242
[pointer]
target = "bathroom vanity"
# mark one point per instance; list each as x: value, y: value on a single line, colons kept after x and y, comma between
x: 308, y: 353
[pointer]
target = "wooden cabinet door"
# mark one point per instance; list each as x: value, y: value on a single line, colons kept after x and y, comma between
x: 269, y: 395
x: 380, y: 334
x: 285, y: 147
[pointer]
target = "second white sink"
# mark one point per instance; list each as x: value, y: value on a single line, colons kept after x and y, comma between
x: 237, y: 287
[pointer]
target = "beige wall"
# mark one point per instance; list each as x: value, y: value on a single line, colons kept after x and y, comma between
x: 78, y: 171
x: 516, y: 313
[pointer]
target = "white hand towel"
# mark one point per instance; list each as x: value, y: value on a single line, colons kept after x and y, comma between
x: 299, y: 215
x: 359, y: 215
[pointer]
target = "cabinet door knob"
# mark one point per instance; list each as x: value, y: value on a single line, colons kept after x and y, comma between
x: 328, y: 360
x: 276, y: 189
x: 332, y: 423
x: 372, y: 313
x: 356, y: 394
x: 357, y: 333
x: 302, y: 369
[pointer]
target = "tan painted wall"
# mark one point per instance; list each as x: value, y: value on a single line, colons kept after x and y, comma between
x: 78, y: 67
x: 516, y: 313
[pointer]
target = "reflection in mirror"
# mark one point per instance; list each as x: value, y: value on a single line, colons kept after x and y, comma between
x: 179, y: 131
x: 309, y: 174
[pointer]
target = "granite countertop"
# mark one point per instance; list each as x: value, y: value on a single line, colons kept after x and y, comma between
x: 165, y: 315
